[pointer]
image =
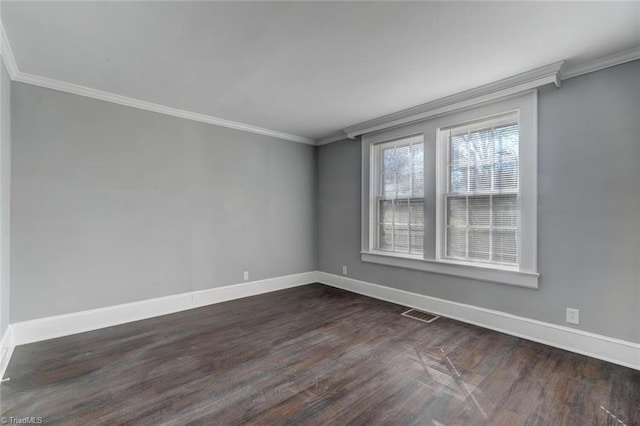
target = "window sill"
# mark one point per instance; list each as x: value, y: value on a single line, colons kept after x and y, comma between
x: 516, y: 278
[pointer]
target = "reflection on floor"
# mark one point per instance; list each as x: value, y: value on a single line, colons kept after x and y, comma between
x: 312, y: 355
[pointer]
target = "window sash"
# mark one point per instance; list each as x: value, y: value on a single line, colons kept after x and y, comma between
x: 487, y: 242
x: 487, y: 159
x: 412, y: 194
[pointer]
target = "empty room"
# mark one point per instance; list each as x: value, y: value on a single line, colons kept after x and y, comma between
x: 319, y: 213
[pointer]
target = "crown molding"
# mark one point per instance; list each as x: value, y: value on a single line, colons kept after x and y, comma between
x: 552, y: 73
x: 150, y: 106
x: 601, y: 63
x: 7, y: 53
x: 338, y: 136
x: 548, y: 74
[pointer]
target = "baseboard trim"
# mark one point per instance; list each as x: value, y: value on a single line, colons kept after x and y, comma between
x: 31, y: 331
x: 6, y: 350
x: 608, y: 349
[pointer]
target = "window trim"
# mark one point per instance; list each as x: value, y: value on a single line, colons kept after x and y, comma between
x: 526, y: 274
x: 480, y: 273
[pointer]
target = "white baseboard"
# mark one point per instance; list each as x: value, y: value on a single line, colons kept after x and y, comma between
x: 594, y: 345
x: 6, y: 350
x: 78, y: 322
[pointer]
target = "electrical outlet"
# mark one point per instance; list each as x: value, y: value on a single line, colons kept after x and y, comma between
x: 246, y: 275
x: 573, y: 316
x: 344, y: 269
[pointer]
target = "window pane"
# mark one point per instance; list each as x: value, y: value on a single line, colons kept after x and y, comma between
x: 388, y: 155
x: 456, y: 242
x: 416, y: 208
x: 386, y: 212
x: 417, y: 155
x: 417, y: 239
x: 507, y: 174
x: 403, y: 176
x: 505, y: 248
x: 458, y: 178
x: 401, y: 238
x: 459, y: 151
x: 459, y: 164
x: 507, y: 156
x: 388, y: 172
x: 505, y: 210
x: 479, y: 244
x: 388, y: 185
x: 401, y: 208
x: 480, y: 211
x: 480, y: 179
x: 507, y: 140
x: 481, y: 146
x: 457, y: 211
x: 386, y: 237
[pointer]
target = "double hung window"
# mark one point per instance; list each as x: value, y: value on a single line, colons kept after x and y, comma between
x: 456, y: 194
x: 480, y: 191
x: 399, y: 186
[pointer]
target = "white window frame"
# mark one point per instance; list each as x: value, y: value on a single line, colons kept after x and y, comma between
x: 376, y: 161
x: 523, y: 275
x: 442, y: 151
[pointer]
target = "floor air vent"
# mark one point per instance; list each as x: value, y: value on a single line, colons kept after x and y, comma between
x: 420, y: 315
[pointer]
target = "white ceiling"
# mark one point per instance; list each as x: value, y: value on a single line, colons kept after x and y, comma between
x: 307, y: 69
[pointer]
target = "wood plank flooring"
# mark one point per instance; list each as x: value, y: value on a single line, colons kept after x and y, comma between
x: 311, y: 355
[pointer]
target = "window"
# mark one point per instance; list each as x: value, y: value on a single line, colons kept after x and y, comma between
x: 399, y: 183
x: 456, y: 193
x: 480, y: 191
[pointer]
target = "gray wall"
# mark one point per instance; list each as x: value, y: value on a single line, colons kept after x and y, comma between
x: 588, y: 217
x: 112, y: 204
x: 5, y: 187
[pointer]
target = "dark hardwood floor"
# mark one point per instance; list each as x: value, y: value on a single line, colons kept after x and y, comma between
x: 311, y: 355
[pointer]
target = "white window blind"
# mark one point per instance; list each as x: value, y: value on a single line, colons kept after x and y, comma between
x: 480, y: 193
x: 399, y: 195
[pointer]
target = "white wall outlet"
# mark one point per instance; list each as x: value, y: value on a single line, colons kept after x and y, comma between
x: 573, y: 316
x: 344, y: 270
x: 246, y: 275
